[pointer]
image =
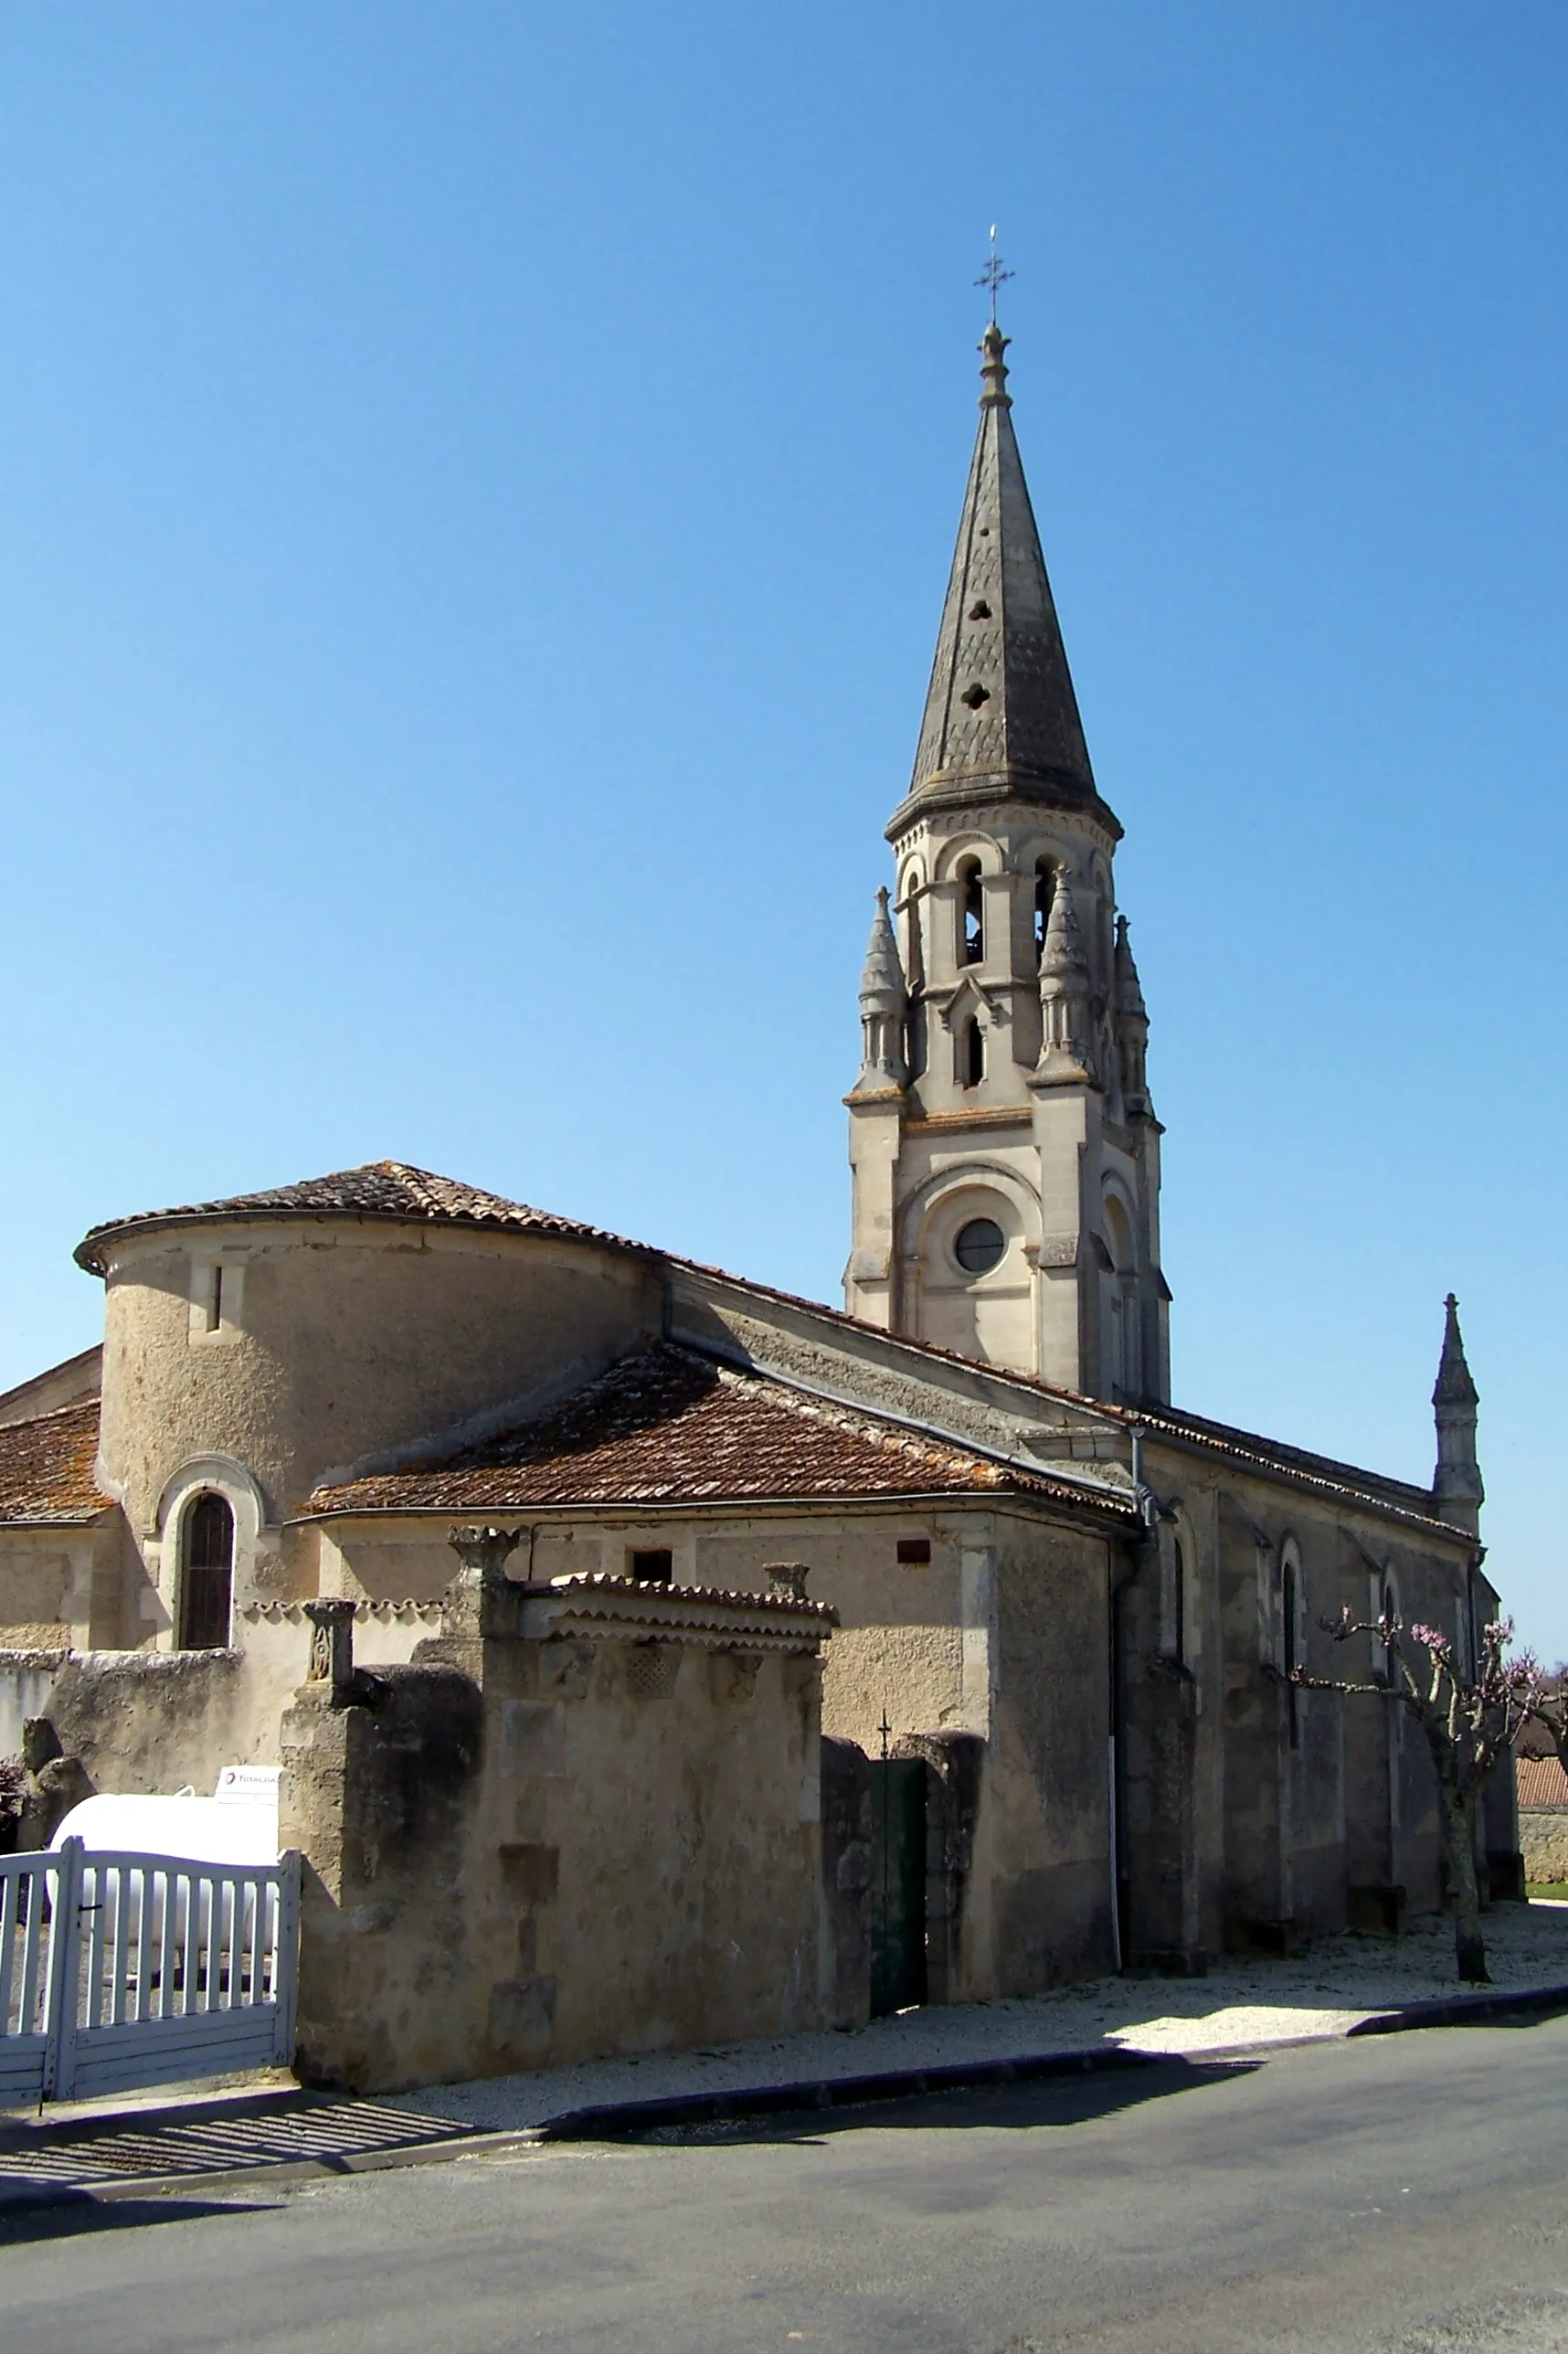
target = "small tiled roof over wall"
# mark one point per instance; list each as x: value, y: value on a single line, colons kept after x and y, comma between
x: 671, y: 1426
x: 46, y: 1467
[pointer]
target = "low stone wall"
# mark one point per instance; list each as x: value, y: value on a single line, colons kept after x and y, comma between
x: 26, y: 1681
x: 147, y: 1721
x: 585, y: 1820
x: 1543, y: 1840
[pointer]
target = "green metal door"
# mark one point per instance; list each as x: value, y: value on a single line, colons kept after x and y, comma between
x: 898, y: 1884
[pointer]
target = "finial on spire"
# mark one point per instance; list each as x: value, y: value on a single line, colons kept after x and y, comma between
x: 883, y: 1001
x: 1455, y: 1384
x: 1128, y: 990
x: 994, y: 274
x: 1131, y: 1028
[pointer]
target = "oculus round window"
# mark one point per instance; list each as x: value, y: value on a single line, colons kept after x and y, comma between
x: 980, y: 1245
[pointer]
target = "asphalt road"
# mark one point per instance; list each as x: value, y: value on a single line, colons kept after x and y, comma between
x: 1401, y: 2193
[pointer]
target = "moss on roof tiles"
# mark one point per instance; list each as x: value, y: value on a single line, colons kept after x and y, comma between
x: 46, y: 1467
x: 668, y: 1427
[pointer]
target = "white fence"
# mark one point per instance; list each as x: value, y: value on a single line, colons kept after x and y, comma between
x: 120, y: 1969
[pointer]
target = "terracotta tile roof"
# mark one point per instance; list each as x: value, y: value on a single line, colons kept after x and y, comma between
x: 595, y: 1592
x: 1542, y: 1782
x: 1400, y: 1498
x: 670, y: 1613
x: 46, y: 1467
x: 382, y: 1189
x: 671, y: 1426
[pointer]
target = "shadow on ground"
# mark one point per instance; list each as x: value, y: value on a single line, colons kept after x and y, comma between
x: 64, y: 2216
x: 1017, y: 2108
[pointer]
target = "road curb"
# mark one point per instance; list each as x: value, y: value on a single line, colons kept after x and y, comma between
x: 624, y: 2120
x: 612, y: 2120
x: 1457, y: 2010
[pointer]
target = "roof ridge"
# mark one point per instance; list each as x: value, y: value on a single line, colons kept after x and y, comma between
x: 370, y: 1190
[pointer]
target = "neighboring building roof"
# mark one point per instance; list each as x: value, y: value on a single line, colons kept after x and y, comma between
x: 71, y: 1383
x: 1542, y: 1782
x: 381, y: 1188
x: 671, y: 1426
x: 46, y: 1467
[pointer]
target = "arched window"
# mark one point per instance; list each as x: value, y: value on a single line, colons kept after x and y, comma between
x: 971, y: 1054
x: 206, y: 1574
x: 971, y: 913
x: 1290, y: 1648
x: 1045, y: 892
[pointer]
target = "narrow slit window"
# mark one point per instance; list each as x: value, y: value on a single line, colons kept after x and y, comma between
x: 914, y: 1038
x: 1179, y: 1601
x: 971, y: 914
x: 1292, y: 1653
x: 1045, y: 892
x: 972, y: 1054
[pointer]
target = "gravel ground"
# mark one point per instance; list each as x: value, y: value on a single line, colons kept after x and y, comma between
x: 1245, y: 2002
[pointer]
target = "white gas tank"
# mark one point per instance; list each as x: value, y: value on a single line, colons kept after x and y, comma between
x: 239, y: 1824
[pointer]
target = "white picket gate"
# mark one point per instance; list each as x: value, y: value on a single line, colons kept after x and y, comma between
x: 121, y: 1970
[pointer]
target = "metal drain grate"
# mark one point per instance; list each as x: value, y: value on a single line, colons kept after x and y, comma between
x: 216, y: 2145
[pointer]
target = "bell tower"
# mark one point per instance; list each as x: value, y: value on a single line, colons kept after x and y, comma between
x: 1004, y: 1150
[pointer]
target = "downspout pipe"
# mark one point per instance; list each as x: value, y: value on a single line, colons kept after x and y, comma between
x: 1140, y: 1550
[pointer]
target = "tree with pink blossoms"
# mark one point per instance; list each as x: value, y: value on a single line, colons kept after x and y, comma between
x: 1470, y: 1718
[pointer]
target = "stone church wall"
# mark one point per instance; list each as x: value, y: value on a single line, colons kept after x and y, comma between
x: 1044, y: 1849
x: 1327, y: 1804
x: 338, y: 1342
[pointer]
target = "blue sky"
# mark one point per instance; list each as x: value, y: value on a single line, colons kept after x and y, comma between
x: 479, y: 485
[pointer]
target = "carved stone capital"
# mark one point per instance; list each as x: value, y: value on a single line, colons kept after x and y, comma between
x: 331, y: 1646
x: 482, y: 1599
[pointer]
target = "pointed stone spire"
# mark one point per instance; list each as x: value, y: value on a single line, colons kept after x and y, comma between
x: 1128, y: 988
x: 884, y: 1000
x: 1131, y: 1025
x: 1001, y: 714
x: 1456, y: 1485
x: 1064, y: 1052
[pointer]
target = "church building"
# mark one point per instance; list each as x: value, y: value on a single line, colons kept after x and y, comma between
x: 1026, y: 1629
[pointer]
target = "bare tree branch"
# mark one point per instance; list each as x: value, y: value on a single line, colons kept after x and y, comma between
x: 1470, y: 1719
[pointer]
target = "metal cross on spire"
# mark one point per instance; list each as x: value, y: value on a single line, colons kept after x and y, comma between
x: 994, y: 274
